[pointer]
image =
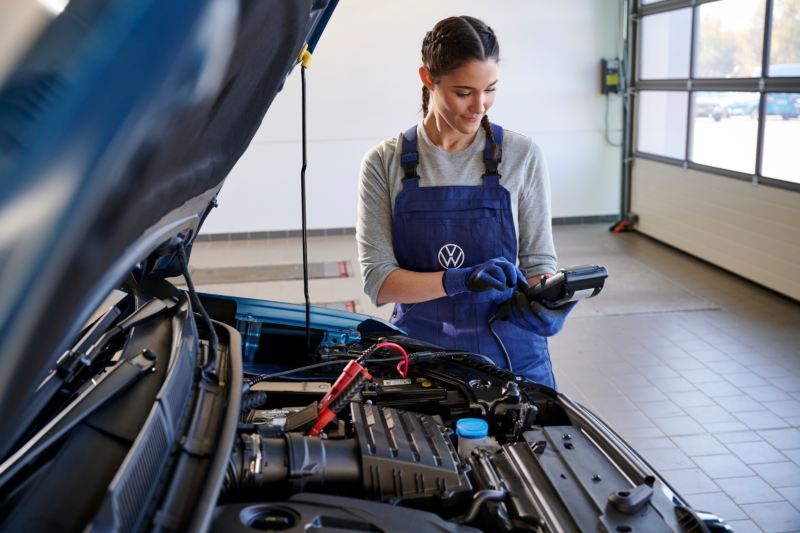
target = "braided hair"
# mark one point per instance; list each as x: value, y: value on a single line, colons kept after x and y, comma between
x: 453, y: 42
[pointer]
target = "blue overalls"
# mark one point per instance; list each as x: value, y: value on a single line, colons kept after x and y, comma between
x: 435, y: 228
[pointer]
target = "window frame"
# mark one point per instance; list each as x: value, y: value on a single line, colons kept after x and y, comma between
x: 761, y: 86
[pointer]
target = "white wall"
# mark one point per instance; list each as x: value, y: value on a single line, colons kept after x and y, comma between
x: 749, y: 230
x: 363, y: 87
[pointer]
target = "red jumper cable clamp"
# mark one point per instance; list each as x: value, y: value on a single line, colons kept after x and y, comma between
x: 349, y: 383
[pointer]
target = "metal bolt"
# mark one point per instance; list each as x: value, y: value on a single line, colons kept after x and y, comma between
x: 597, y: 478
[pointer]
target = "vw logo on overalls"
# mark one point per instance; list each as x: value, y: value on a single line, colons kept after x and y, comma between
x: 451, y: 256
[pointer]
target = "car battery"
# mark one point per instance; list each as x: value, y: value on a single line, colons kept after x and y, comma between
x: 404, y: 391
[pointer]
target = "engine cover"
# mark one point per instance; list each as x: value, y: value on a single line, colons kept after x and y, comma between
x: 407, y: 455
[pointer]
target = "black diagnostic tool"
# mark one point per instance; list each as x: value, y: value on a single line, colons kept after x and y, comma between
x: 568, y: 285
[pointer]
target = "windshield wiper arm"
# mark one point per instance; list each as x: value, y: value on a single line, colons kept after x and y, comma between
x: 48, y: 388
x: 86, y: 351
x: 118, y: 378
x: 69, y: 364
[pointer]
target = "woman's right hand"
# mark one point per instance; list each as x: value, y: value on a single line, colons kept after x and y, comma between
x: 496, y: 274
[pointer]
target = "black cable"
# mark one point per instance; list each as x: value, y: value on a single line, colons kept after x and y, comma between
x: 265, y: 377
x: 500, y: 342
x: 199, y: 306
x: 303, y: 210
x: 416, y: 356
x: 386, y: 360
x: 608, y: 138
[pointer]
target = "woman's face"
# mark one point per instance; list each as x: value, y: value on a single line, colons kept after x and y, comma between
x: 464, y: 95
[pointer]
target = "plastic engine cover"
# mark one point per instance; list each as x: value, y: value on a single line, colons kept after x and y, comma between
x: 407, y: 455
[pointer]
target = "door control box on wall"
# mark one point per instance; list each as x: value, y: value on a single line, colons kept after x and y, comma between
x: 609, y: 75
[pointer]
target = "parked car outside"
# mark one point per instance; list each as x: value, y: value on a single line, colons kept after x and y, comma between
x: 784, y: 105
x: 710, y: 105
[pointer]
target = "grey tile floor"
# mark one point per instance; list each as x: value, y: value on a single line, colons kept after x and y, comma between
x: 711, y: 398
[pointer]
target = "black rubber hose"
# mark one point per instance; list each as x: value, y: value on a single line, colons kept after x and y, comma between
x: 253, y: 400
x: 260, y: 463
x: 211, y: 365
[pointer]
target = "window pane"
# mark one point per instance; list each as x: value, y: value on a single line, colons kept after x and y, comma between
x: 730, y: 34
x: 784, y: 52
x: 665, y: 44
x: 725, y: 129
x: 661, y: 123
x: 781, y: 132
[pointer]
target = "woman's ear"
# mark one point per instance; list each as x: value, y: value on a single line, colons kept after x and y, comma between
x: 425, y: 77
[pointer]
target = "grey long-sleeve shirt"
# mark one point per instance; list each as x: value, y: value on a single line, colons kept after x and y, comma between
x: 523, y: 173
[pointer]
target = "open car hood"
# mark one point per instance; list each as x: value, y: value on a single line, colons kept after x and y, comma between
x: 118, y: 125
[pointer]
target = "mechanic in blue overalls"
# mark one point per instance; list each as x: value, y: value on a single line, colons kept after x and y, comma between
x: 448, y: 210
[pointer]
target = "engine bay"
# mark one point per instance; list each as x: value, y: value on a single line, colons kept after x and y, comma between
x: 359, y: 428
x: 395, y: 442
x: 401, y: 451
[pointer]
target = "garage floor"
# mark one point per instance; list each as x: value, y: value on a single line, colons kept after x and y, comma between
x: 698, y: 369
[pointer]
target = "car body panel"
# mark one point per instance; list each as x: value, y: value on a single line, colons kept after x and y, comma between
x: 121, y: 111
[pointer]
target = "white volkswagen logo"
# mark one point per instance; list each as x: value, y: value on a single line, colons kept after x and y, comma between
x: 451, y: 256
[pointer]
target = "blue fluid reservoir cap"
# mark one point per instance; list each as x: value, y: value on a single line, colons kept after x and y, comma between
x: 472, y: 428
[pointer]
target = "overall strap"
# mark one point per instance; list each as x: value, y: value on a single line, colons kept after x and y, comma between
x: 409, y: 158
x: 489, y: 160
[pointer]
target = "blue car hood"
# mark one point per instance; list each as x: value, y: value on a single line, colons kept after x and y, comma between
x: 119, y: 121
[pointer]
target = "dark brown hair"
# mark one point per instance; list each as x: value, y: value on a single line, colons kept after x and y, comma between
x: 453, y: 42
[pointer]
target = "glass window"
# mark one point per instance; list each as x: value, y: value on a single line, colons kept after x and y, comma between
x: 665, y: 45
x: 661, y: 123
x: 781, y: 131
x: 725, y: 129
x: 784, y: 50
x: 729, y: 39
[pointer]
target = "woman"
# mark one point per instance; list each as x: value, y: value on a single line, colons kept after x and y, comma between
x: 449, y: 208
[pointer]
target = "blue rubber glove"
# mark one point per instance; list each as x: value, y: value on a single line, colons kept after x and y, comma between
x: 496, y: 274
x: 535, y: 317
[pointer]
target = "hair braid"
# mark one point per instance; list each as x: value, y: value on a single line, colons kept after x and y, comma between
x: 487, y: 127
x: 426, y: 98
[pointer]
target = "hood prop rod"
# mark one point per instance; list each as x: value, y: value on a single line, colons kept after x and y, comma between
x: 304, y: 59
